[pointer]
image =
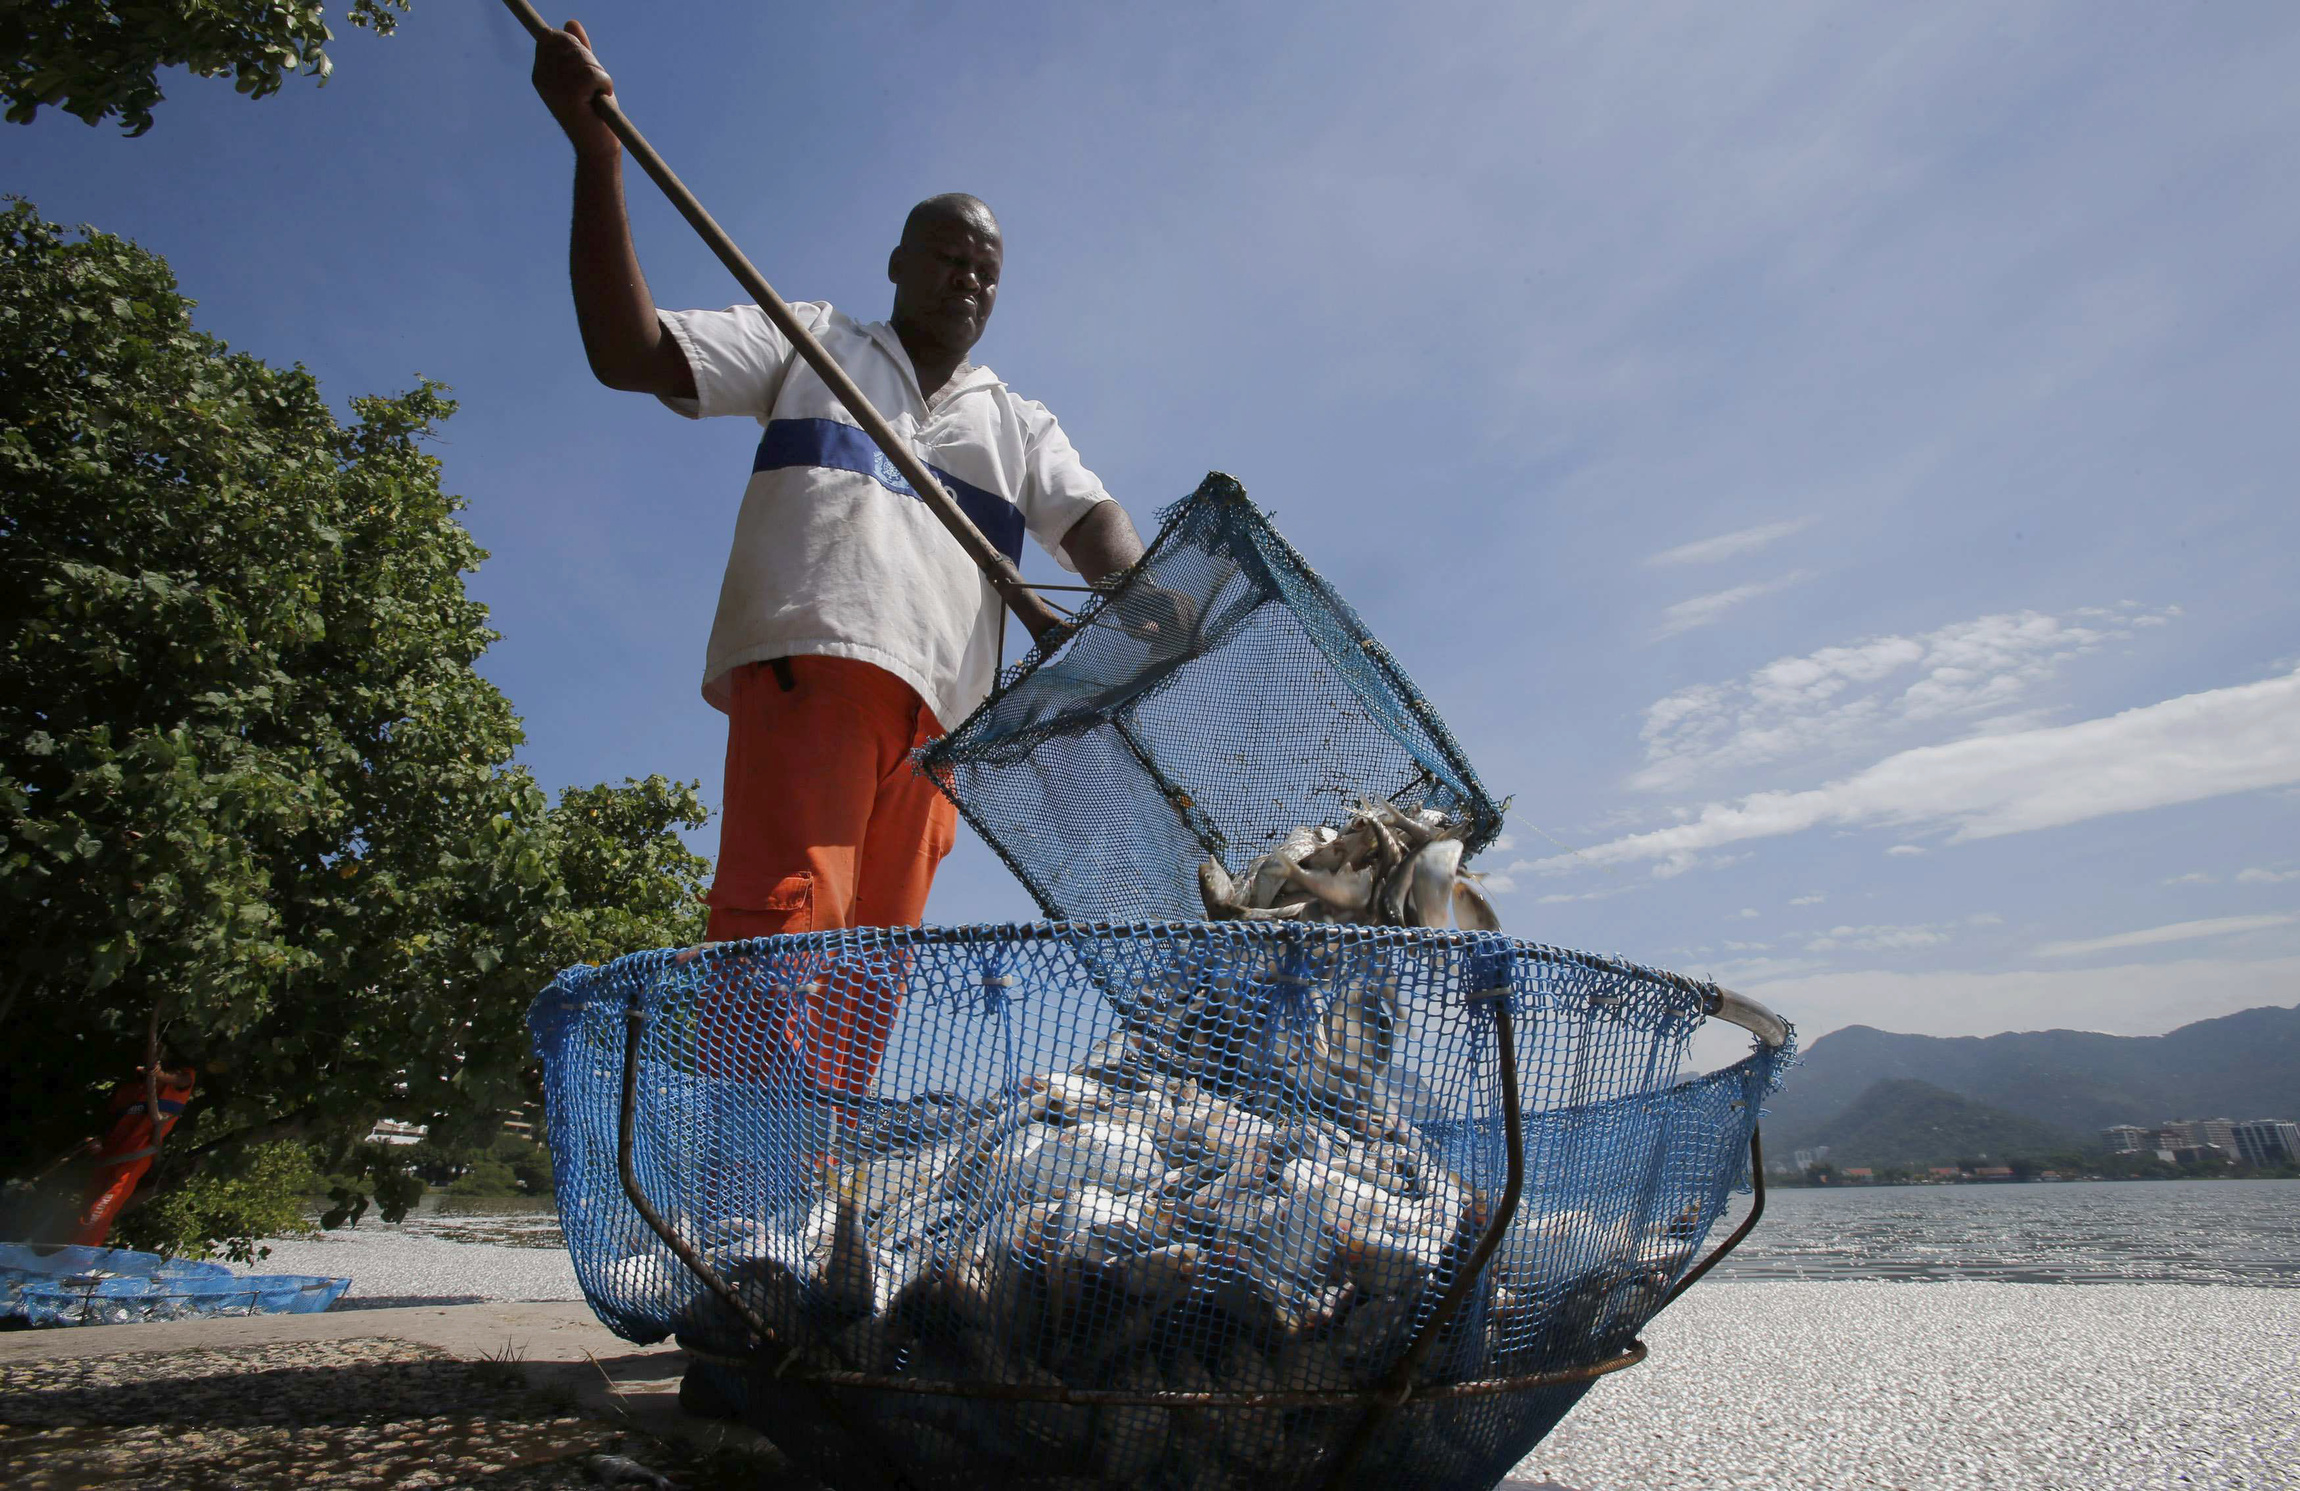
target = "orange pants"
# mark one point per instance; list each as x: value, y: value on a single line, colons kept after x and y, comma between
x: 825, y: 825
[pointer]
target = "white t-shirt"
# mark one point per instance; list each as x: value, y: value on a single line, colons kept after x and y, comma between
x: 834, y: 554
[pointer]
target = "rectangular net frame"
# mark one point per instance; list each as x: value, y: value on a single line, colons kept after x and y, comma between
x: 1221, y: 695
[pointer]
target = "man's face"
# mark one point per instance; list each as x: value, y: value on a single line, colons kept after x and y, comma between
x: 945, y: 277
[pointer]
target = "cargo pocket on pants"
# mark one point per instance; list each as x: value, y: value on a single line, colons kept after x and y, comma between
x: 787, y: 907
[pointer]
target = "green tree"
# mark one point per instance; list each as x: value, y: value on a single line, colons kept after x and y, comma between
x: 254, y: 794
x: 98, y: 58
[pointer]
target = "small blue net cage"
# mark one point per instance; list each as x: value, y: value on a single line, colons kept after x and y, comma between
x: 1220, y: 697
x: 1146, y: 1205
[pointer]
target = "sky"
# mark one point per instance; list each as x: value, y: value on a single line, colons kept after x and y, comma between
x: 1830, y: 466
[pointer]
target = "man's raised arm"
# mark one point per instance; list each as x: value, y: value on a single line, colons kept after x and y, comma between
x: 624, y: 341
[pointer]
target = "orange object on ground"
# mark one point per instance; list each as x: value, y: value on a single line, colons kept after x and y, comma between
x: 128, y: 1150
x: 826, y: 825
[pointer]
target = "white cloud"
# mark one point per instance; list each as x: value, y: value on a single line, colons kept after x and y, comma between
x: 1707, y: 610
x: 1728, y: 545
x: 2182, y: 750
x: 1876, y: 938
x: 2193, y: 877
x: 2266, y: 877
x: 1906, y: 851
x: 1560, y: 899
x: 1838, y: 698
x: 2124, y: 999
x: 1984, y: 919
x: 1812, y: 900
x: 2217, y: 926
x: 1747, y: 913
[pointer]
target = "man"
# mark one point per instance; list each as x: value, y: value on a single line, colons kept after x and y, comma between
x: 851, y: 626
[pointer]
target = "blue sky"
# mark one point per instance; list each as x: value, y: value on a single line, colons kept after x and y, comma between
x: 1831, y: 464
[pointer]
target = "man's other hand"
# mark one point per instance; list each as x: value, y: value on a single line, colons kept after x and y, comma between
x: 1166, y: 618
x: 568, y: 77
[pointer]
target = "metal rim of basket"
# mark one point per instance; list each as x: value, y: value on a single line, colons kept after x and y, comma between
x: 1379, y: 1402
x: 1088, y: 1397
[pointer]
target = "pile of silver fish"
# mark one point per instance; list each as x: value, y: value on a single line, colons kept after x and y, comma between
x: 1226, y: 1194
x: 1388, y: 868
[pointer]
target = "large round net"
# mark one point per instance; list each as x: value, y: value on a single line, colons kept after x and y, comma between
x: 1188, y: 1205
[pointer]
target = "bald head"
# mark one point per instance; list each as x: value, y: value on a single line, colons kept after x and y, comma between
x: 945, y: 275
x: 961, y: 208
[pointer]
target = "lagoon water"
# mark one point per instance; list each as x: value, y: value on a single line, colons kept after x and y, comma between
x: 2115, y: 1232
x: 2243, y: 1232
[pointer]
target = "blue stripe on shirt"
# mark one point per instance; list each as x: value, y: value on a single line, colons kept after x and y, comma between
x: 838, y: 446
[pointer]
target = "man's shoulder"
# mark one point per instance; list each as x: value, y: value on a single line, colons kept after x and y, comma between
x: 1031, y: 414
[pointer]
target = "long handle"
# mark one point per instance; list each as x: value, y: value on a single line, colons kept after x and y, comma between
x: 1035, y: 613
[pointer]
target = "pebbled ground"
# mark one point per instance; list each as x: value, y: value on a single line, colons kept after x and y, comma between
x: 1873, y: 1386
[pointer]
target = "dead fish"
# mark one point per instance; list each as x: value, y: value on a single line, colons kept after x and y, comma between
x: 647, y: 1281
x: 1130, y: 1440
x: 1394, y: 1167
x: 1163, y: 1274
x: 1375, y: 1326
x: 1256, y: 1437
x: 1389, y: 867
x: 1349, y: 890
x: 621, y: 1470
x: 1117, y: 1061
x: 1068, y: 1097
x: 1098, y: 1227
x: 851, y: 1280
x: 1472, y: 910
x: 1052, y: 1430
x: 1387, y: 1263
x: 1051, y: 1164
x: 1429, y: 894
x: 1217, y: 891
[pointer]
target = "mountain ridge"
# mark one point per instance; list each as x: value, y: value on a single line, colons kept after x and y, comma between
x: 2240, y: 1066
x: 1903, y: 1122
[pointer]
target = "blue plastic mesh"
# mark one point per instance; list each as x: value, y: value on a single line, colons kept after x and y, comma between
x: 1105, y: 770
x: 1209, y: 1157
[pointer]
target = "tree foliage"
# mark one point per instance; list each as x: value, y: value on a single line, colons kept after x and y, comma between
x: 225, y: 1210
x: 252, y: 786
x: 95, y: 59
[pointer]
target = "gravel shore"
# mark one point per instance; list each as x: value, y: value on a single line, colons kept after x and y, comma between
x: 1854, y: 1386
x: 353, y: 1414
x: 414, y: 1265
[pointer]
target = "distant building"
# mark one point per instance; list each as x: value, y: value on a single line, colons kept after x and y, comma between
x: 2127, y: 1138
x: 1806, y: 1158
x: 1946, y: 1172
x: 2197, y: 1154
x: 2267, y: 1142
x: 2195, y: 1133
x: 392, y: 1131
x: 1860, y: 1175
x: 1994, y: 1172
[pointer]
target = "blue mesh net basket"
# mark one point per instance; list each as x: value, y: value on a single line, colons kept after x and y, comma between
x: 1144, y: 1205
